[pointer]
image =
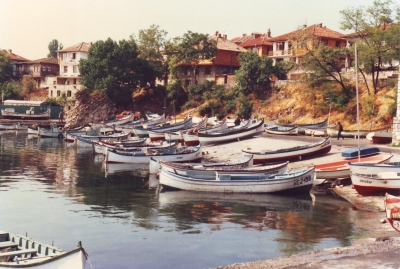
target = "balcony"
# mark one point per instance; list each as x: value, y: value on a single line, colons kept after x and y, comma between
x: 276, y: 53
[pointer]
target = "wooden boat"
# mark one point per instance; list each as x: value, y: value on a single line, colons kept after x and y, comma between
x: 250, y: 128
x: 17, y: 251
x: 364, y: 151
x: 302, y: 127
x: 316, y: 132
x: 280, y: 130
x: 245, y: 162
x: 12, y: 126
x: 392, y: 208
x: 159, y: 133
x: 175, y: 136
x: 144, y: 130
x: 371, y: 169
x: 9, y: 113
x: 296, y: 181
x: 100, y: 148
x: 119, y: 121
x: 341, y: 169
x: 70, y: 135
x: 204, y: 172
x: 126, y: 127
x: 333, y: 132
x: 185, y: 154
x: 380, y: 137
x: 192, y: 139
x: 376, y: 184
x: 312, y: 149
x: 83, y: 140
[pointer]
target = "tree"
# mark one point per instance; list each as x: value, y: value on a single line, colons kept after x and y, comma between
x: 254, y: 74
x: 116, y: 70
x: 53, y: 48
x: 11, y: 89
x: 190, y: 50
x: 376, y: 32
x: 6, y: 67
x: 28, y: 85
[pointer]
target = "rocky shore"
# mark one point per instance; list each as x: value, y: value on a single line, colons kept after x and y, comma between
x: 378, y: 247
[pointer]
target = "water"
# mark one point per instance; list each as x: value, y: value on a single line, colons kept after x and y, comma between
x: 58, y: 193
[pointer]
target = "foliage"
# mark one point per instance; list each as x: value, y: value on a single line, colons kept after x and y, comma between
x: 339, y: 98
x: 6, y: 67
x: 176, y: 93
x: 392, y: 109
x: 376, y: 34
x: 368, y: 107
x: 28, y: 86
x: 53, y: 48
x: 116, y: 70
x: 189, y: 49
x: 245, y: 107
x: 151, y: 42
x: 11, y: 89
x: 254, y: 74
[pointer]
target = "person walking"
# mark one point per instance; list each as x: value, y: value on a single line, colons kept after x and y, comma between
x: 340, y: 129
x: 237, y: 121
x: 60, y: 116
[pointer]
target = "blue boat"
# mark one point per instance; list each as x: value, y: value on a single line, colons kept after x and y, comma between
x: 364, y: 151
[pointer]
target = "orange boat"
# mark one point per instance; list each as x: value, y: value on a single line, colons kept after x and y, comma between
x: 392, y: 206
x: 125, y: 113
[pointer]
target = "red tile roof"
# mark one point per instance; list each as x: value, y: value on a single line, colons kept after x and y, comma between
x: 50, y: 60
x: 78, y: 47
x: 258, y: 41
x: 316, y: 29
x: 225, y: 44
x: 14, y: 56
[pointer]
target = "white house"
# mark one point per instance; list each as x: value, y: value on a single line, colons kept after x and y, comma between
x: 69, y: 80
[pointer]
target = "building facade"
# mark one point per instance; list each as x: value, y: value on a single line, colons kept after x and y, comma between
x: 41, y: 70
x: 16, y: 59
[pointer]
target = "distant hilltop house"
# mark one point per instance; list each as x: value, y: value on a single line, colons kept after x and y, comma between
x: 43, y: 71
x: 256, y: 42
x: 16, y: 59
x: 221, y: 68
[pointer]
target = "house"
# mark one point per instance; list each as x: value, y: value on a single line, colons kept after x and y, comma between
x: 68, y: 81
x: 256, y: 42
x: 285, y: 47
x: 220, y: 68
x: 43, y: 70
x: 15, y: 59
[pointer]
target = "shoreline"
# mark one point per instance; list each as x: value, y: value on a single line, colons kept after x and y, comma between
x: 379, y: 241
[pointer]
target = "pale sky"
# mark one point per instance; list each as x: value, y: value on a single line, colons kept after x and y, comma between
x: 27, y: 26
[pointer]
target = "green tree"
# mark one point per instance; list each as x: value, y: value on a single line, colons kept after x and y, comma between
x: 28, y: 85
x: 11, y: 89
x: 116, y: 70
x: 376, y: 31
x: 189, y: 49
x: 6, y: 67
x: 53, y: 48
x: 254, y: 74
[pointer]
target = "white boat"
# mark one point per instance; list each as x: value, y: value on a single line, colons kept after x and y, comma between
x: 159, y: 133
x: 178, y: 135
x: 295, y: 181
x: 248, y: 129
x: 126, y: 128
x: 9, y: 113
x: 186, y: 154
x: 316, y: 132
x: 392, y: 208
x: 17, y: 251
x: 53, y: 132
x: 374, y: 168
x: 100, y: 148
x: 115, y: 122
x: 192, y: 139
x: 281, y: 130
x: 203, y: 172
x: 312, y: 149
x: 301, y: 127
x: 376, y: 184
x: 12, y: 126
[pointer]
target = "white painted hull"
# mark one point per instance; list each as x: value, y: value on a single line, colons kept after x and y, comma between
x: 116, y: 122
x: 55, y: 134
x: 290, y: 182
x: 221, y: 136
x: 373, y: 169
x: 114, y: 157
x: 316, y: 132
x: 15, y: 126
x: 282, y: 130
x: 16, y: 115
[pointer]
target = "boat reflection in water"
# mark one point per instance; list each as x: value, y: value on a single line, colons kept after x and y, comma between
x: 129, y: 168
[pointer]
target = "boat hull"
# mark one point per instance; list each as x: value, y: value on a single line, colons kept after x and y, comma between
x: 367, y: 185
x: 299, y: 182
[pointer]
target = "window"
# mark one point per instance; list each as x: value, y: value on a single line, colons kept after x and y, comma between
x: 58, y: 93
x: 208, y: 70
x: 65, y: 69
x: 75, y: 69
x: 69, y: 94
x: 54, y: 82
x: 337, y: 44
x: 187, y: 71
x: 280, y: 46
x: 44, y: 68
x: 61, y: 55
x: 51, y: 93
x: 324, y: 41
x: 187, y: 82
x: 49, y: 68
x: 196, y: 71
x: 74, y: 80
x: 254, y: 49
x: 73, y: 55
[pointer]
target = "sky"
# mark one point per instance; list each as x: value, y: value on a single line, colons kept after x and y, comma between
x: 28, y: 26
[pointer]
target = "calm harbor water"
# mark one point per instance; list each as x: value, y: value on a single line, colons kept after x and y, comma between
x: 58, y: 193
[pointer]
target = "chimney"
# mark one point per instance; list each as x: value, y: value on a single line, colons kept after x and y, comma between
x: 269, y: 33
x: 225, y: 36
x: 320, y: 25
x: 305, y: 26
x: 216, y: 33
x: 10, y: 51
x: 244, y: 34
x: 219, y: 35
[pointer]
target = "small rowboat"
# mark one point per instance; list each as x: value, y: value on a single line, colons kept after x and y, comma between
x: 12, y: 126
x: 316, y: 132
x: 392, y: 208
x: 280, y: 130
x: 17, y: 251
x: 376, y: 184
x: 292, y: 182
x: 380, y: 137
x: 312, y: 149
x: 9, y: 113
x: 192, y: 139
x: 302, y: 127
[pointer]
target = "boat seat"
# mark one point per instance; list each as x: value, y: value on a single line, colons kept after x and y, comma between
x: 8, y: 244
x: 11, y: 254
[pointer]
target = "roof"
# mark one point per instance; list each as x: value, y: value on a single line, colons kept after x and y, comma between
x: 258, y: 40
x: 239, y: 40
x: 225, y: 44
x: 50, y: 60
x: 78, y: 47
x: 14, y: 56
x: 24, y: 103
x: 316, y: 30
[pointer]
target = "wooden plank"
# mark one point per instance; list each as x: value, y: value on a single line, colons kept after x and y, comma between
x: 8, y: 244
x: 18, y: 252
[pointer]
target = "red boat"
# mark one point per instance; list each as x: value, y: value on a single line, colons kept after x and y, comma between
x: 392, y: 206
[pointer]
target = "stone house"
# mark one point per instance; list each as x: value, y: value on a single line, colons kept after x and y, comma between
x: 256, y: 42
x: 68, y: 81
x: 16, y: 59
x: 220, y: 69
x: 43, y: 71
